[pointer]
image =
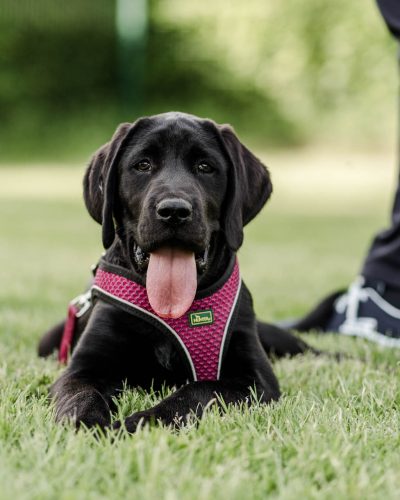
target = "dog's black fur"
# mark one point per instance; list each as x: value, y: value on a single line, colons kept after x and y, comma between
x: 177, y: 156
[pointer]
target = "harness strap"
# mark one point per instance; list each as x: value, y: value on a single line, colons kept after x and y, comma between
x: 202, y: 334
x: 76, y: 308
x: 68, y: 335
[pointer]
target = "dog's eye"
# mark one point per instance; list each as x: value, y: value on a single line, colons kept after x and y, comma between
x: 143, y: 166
x: 205, y: 168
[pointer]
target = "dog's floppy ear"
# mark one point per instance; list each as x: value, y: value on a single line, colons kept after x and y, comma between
x: 99, y: 182
x: 249, y: 187
x: 97, y: 172
x: 93, y: 183
x: 117, y: 145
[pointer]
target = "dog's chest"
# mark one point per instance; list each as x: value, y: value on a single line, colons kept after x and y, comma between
x: 166, y: 354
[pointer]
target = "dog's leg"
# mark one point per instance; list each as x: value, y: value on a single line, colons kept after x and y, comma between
x: 278, y: 342
x: 81, y: 401
x: 193, y: 399
x: 246, y: 371
x: 95, y: 372
x: 51, y: 340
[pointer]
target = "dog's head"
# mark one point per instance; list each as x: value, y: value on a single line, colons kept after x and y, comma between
x: 170, y: 183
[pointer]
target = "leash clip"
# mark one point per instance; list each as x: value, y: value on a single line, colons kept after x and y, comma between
x: 82, y: 303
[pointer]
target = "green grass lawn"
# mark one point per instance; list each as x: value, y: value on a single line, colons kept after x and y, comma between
x: 333, y: 434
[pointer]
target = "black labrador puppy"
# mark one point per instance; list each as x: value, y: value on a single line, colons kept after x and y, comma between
x: 172, y: 193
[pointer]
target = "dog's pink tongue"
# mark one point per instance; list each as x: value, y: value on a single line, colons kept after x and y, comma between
x: 171, y: 281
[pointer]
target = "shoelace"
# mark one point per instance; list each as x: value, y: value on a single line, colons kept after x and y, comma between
x: 349, y: 302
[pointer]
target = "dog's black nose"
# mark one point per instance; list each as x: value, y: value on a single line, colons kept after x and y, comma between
x: 174, y: 210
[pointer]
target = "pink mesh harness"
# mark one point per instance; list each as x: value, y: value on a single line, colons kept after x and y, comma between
x: 201, y: 333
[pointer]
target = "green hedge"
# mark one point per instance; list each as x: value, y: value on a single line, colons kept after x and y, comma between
x: 282, y: 72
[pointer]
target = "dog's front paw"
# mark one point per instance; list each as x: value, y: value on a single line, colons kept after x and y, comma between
x: 148, y: 417
x: 135, y: 421
x: 86, y: 407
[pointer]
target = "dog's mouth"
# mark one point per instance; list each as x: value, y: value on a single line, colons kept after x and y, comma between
x: 171, y: 277
x: 142, y: 259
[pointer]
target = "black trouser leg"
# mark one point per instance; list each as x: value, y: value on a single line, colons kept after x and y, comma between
x: 383, y: 260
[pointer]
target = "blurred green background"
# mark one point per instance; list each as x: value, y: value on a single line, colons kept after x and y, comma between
x: 285, y: 74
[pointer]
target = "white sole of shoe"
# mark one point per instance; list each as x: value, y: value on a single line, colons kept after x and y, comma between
x: 363, y: 330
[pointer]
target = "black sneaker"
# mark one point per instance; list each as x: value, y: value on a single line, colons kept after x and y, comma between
x: 359, y: 311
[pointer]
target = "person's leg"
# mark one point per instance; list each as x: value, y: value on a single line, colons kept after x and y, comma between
x: 383, y: 260
x: 370, y: 307
x: 390, y: 10
x: 382, y: 263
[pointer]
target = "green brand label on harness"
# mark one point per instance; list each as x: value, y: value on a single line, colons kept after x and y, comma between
x: 200, y: 318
